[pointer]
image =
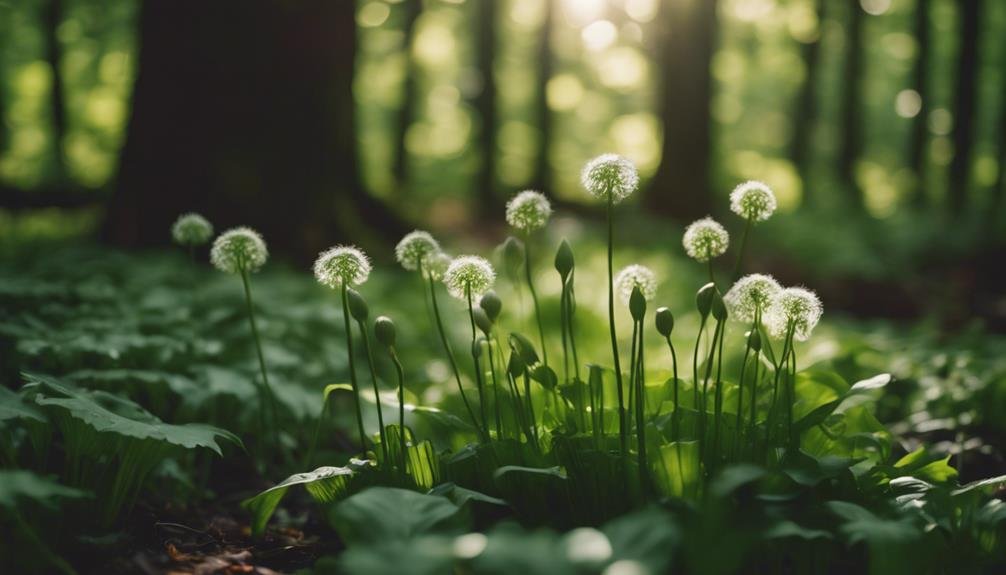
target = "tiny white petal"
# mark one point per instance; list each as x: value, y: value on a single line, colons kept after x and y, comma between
x: 469, y: 275
x: 342, y: 264
x: 794, y: 307
x: 705, y: 239
x: 636, y: 276
x: 610, y: 176
x: 191, y: 229
x: 239, y: 250
x: 753, y: 200
x: 415, y: 249
x: 528, y: 211
x: 751, y: 294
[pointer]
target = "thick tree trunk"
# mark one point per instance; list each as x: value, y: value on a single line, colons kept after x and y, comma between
x: 920, y: 83
x: 542, y: 168
x: 852, y: 98
x: 806, y: 107
x: 245, y: 111
x: 966, y: 89
x: 486, y: 194
x: 52, y: 18
x: 681, y: 186
x: 406, y: 113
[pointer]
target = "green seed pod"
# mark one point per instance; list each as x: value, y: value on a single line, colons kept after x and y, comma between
x: 384, y: 331
x: 513, y: 254
x: 482, y: 320
x: 492, y: 304
x: 704, y: 298
x: 719, y: 308
x: 477, y: 347
x: 358, y: 307
x: 637, y: 304
x: 516, y: 365
x: 665, y: 321
x: 754, y: 340
x: 564, y: 262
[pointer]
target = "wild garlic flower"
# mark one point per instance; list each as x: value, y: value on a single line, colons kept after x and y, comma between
x: 751, y: 294
x: 705, y: 239
x: 437, y: 264
x: 636, y: 276
x: 469, y: 275
x: 191, y: 229
x: 239, y: 250
x: 415, y: 249
x: 528, y: 211
x: 796, y: 307
x: 342, y: 264
x: 610, y: 176
x: 753, y: 201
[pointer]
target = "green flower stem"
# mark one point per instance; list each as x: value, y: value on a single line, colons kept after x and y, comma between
x: 703, y: 411
x: 496, y: 395
x: 712, y: 278
x: 570, y: 315
x: 377, y: 392
x: 782, y: 363
x: 640, y: 384
x: 632, y: 369
x: 676, y: 417
x: 478, y: 367
x: 534, y: 297
x: 265, y: 391
x: 450, y: 354
x: 695, y: 361
x: 519, y: 413
x: 740, y: 400
x: 530, y: 407
x: 718, y: 406
x: 752, y: 422
x: 791, y: 376
x: 401, y: 408
x: 352, y: 367
x: 622, y: 427
x: 740, y: 252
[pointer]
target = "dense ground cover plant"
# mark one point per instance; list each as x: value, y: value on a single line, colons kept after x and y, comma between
x: 740, y: 459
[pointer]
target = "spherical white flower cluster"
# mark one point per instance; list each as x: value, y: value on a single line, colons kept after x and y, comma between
x: 528, y: 211
x: 610, y: 176
x: 239, y: 250
x: 794, y: 307
x: 416, y: 249
x: 469, y: 275
x: 191, y: 229
x: 437, y: 265
x: 753, y: 200
x: 751, y: 295
x: 342, y: 265
x: 705, y: 239
x: 636, y: 276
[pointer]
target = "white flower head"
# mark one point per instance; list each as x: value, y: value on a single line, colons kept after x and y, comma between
x: 705, y: 239
x: 610, y: 176
x: 794, y: 307
x: 753, y: 200
x: 342, y: 264
x: 528, y: 211
x: 239, y: 250
x: 636, y: 276
x: 469, y: 275
x: 437, y: 265
x: 750, y: 295
x: 415, y: 249
x: 191, y: 229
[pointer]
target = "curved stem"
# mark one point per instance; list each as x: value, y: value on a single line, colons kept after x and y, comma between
x: 496, y: 395
x: 265, y: 392
x: 641, y: 413
x: 534, y: 297
x: 703, y: 411
x: 478, y: 366
x: 743, y: 245
x: 352, y: 367
x: 622, y: 431
x: 718, y: 406
x: 450, y: 353
x: 695, y: 361
x: 676, y: 417
x: 401, y: 408
x: 740, y: 401
x: 377, y: 392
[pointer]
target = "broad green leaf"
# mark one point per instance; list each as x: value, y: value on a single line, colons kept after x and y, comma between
x: 383, y: 514
x: 13, y: 406
x: 18, y: 485
x: 325, y: 485
x: 992, y: 483
x: 677, y: 469
x: 556, y: 471
x: 650, y: 537
x: 921, y: 465
x: 461, y: 496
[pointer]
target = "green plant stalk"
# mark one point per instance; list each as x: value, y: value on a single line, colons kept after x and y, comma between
x: 703, y: 412
x: 695, y: 361
x: 266, y: 395
x: 563, y: 330
x: 791, y: 376
x: 622, y: 427
x: 496, y: 395
x: 632, y: 370
x: 712, y: 279
x: 309, y: 460
x: 377, y: 392
x: 740, y: 401
x: 450, y: 354
x: 718, y: 405
x: 401, y: 408
x: 534, y: 297
x: 478, y: 367
x: 740, y: 252
x: 753, y: 423
x: 530, y: 407
x: 520, y: 415
x: 570, y: 316
x: 676, y: 417
x: 352, y: 366
x: 773, y: 410
x: 640, y: 381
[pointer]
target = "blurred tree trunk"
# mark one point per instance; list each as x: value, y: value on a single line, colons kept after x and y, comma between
x: 852, y: 98
x: 965, y: 98
x: 681, y: 186
x: 487, y: 198
x: 542, y: 175
x: 52, y: 17
x: 997, y: 194
x: 406, y: 113
x: 245, y: 111
x: 920, y: 83
x: 806, y: 107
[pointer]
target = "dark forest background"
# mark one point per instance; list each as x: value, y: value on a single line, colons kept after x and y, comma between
x: 879, y: 123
